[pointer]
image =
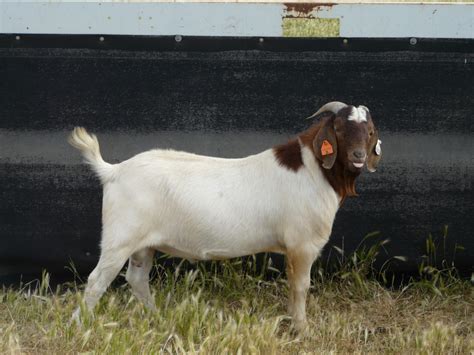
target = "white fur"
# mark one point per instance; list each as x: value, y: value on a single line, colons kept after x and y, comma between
x: 378, y: 147
x: 203, y: 208
x: 358, y: 114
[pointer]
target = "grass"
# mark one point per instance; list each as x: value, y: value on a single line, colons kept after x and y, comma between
x: 232, y: 307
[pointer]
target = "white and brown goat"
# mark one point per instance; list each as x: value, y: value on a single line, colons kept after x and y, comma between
x: 282, y: 200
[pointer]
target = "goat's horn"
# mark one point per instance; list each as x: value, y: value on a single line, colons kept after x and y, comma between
x: 333, y: 107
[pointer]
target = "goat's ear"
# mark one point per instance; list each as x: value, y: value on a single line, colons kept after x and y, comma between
x: 375, y: 152
x: 325, y: 144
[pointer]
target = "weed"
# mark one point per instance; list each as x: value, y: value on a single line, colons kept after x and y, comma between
x: 234, y: 307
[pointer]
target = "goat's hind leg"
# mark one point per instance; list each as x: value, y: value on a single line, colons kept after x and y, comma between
x: 138, y: 274
x: 111, y: 261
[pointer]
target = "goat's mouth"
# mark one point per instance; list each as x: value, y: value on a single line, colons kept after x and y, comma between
x: 357, y: 165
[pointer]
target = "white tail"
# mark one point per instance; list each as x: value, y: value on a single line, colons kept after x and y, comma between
x: 89, y: 147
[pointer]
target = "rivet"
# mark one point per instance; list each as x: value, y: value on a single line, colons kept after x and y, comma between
x: 101, y: 38
x: 345, y: 41
x: 178, y: 38
x: 413, y: 41
x: 17, y: 38
x: 261, y: 40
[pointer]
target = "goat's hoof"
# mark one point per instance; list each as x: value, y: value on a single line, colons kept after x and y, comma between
x: 76, y: 318
x: 301, y: 328
x: 152, y: 308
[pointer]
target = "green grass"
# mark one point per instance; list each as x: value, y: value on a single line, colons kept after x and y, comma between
x: 231, y: 307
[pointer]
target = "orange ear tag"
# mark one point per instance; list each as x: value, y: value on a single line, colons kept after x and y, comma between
x: 326, y: 148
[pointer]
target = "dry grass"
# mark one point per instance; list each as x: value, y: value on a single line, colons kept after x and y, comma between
x: 225, y: 308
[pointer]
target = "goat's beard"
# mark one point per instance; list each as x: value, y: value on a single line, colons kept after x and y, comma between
x: 342, y: 179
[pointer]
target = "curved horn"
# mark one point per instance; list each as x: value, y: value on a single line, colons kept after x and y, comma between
x: 333, y: 107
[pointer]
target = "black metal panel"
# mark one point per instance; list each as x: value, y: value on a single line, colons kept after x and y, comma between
x: 229, y: 97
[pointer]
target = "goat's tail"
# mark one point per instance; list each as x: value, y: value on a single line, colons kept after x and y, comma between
x: 89, y: 147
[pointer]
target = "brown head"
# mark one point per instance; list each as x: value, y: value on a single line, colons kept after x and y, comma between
x: 344, y: 140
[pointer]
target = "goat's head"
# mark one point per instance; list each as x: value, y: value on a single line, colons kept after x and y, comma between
x: 348, y: 135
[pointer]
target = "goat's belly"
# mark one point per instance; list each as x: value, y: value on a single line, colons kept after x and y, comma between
x: 211, y: 249
x: 197, y: 255
x: 206, y: 229
x: 216, y: 254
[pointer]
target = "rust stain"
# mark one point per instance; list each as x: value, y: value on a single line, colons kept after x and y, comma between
x: 305, y: 10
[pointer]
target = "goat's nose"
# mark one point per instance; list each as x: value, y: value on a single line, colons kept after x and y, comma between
x: 359, y: 153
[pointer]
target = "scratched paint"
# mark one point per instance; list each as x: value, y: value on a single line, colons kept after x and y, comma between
x: 306, y: 10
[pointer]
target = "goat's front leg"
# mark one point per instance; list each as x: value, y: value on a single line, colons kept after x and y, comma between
x: 299, y: 262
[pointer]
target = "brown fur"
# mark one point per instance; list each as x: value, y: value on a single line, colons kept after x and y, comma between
x: 341, y: 179
x: 289, y: 156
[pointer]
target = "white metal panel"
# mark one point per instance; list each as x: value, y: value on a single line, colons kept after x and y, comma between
x: 232, y: 19
x: 403, y: 20
x: 195, y: 19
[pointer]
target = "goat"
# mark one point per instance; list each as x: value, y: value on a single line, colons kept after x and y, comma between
x: 283, y: 200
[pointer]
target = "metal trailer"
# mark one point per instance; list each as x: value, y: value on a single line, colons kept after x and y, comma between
x: 231, y: 79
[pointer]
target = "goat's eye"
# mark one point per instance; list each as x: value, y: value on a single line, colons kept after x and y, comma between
x: 371, y: 134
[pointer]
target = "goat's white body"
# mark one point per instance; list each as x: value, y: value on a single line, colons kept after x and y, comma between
x: 200, y: 207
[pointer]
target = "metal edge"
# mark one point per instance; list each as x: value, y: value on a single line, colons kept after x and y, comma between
x: 208, y: 44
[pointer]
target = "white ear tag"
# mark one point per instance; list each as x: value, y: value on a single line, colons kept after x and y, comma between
x: 378, y: 148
